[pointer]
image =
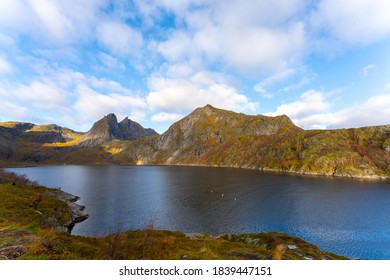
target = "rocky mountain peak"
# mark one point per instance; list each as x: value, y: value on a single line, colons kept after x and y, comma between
x: 108, y: 128
x: 207, y: 126
x: 132, y: 130
x: 111, y: 117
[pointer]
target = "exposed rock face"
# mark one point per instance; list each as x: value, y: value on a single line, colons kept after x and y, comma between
x: 208, y: 129
x: 102, y: 131
x: 108, y: 129
x: 132, y: 130
x: 78, y: 211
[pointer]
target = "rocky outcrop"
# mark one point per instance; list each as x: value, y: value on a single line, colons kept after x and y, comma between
x: 102, y: 131
x: 78, y: 211
x: 132, y: 130
x: 208, y: 130
x: 108, y: 129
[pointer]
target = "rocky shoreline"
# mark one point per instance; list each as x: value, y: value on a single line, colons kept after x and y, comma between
x: 259, y: 168
x: 78, y: 211
x: 289, y: 172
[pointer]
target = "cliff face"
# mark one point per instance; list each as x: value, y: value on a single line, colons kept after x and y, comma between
x: 102, y: 131
x: 208, y: 136
x: 132, y: 130
x: 108, y: 129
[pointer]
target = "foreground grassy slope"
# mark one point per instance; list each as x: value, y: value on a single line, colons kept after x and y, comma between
x: 30, y: 218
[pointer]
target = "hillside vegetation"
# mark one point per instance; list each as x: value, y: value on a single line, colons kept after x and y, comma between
x: 208, y: 136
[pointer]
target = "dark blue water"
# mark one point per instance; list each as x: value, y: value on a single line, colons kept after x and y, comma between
x: 343, y: 216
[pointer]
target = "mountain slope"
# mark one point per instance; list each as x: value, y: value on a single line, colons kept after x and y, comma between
x: 108, y: 129
x: 132, y: 130
x: 24, y: 142
x: 214, y: 137
x: 208, y: 137
x: 104, y: 130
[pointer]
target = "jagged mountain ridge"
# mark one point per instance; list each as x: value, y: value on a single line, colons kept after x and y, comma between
x: 214, y: 137
x: 132, y: 130
x: 208, y: 129
x: 108, y: 129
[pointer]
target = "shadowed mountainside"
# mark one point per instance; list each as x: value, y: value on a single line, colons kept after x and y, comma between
x: 108, y: 129
x: 208, y: 137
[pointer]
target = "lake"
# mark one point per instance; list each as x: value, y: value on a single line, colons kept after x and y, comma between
x: 344, y: 216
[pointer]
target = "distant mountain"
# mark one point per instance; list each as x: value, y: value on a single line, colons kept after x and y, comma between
x: 108, y: 129
x: 132, y: 130
x: 214, y: 137
x: 23, y: 142
x: 207, y: 137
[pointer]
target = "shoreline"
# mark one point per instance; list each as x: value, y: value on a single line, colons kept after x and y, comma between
x: 78, y: 211
x: 258, y: 168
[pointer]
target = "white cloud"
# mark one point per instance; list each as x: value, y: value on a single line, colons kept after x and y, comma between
x: 187, y: 94
x: 178, y: 47
x: 375, y: 111
x: 282, y: 74
x: 11, y: 111
x: 50, y: 17
x: 74, y: 99
x: 51, y: 21
x: 354, y: 21
x: 313, y: 111
x: 259, y: 88
x: 304, y: 80
x: 367, y: 69
x: 12, y: 13
x: 119, y: 38
x: 261, y: 48
x: 252, y: 37
x: 41, y: 95
x: 310, y: 102
x: 166, y: 117
x: 178, y: 70
x: 92, y: 105
x: 110, y: 62
x: 5, y: 67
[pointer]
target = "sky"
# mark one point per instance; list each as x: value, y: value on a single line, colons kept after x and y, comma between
x: 325, y: 63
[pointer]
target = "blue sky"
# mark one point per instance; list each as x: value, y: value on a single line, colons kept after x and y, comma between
x: 326, y: 63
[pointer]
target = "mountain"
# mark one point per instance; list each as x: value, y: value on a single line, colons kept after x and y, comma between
x: 209, y: 136
x: 206, y: 137
x: 214, y: 137
x: 108, y: 129
x: 132, y: 130
x: 23, y: 142
x: 104, y: 130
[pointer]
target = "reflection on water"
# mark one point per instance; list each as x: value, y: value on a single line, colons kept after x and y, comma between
x: 344, y: 216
